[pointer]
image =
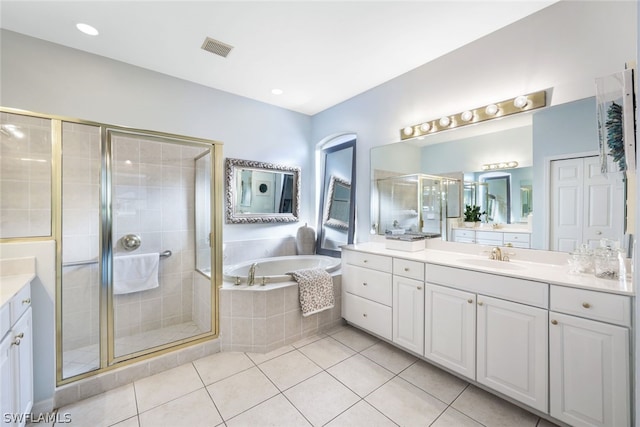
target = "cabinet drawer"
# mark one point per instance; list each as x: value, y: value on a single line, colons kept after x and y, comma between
x: 467, y: 234
x: 609, y: 308
x: 522, y: 238
x: 410, y: 269
x: 369, y: 315
x: 490, y: 237
x: 362, y: 259
x: 509, y: 288
x: 20, y: 303
x: 366, y: 283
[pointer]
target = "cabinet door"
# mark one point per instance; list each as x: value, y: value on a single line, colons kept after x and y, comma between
x: 7, y: 377
x: 512, y: 350
x: 589, y: 371
x: 23, y: 359
x: 450, y: 329
x: 408, y: 314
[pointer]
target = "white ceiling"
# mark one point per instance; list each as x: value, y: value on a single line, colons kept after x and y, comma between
x: 319, y: 53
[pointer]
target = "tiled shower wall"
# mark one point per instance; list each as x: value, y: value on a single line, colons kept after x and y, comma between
x: 153, y: 187
x: 25, y: 182
x: 153, y: 197
x: 80, y: 239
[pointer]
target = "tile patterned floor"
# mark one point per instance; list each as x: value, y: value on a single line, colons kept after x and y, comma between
x: 87, y: 358
x: 342, y: 378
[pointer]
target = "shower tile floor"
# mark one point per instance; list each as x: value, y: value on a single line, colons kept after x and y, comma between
x: 342, y: 378
x: 87, y: 358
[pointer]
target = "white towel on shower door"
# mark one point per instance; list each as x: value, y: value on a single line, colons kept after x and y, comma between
x: 135, y: 273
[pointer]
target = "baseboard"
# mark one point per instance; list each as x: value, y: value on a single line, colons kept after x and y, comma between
x: 43, y: 406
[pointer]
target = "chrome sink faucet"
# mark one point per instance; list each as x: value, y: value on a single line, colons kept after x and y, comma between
x: 252, y: 274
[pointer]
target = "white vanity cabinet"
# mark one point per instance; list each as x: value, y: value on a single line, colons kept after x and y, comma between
x: 508, y: 327
x: 450, y: 329
x: 367, y: 292
x: 492, y: 237
x: 590, y: 376
x: 512, y: 350
x: 408, y: 304
x: 16, y: 356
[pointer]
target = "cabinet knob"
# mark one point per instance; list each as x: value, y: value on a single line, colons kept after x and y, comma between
x: 26, y: 301
x: 598, y: 232
x: 480, y: 303
x: 419, y: 288
x: 365, y: 261
x: 586, y: 305
x: 364, y: 314
x: 470, y: 301
x: 554, y: 322
x: 364, y: 283
x: 20, y: 335
x: 406, y: 269
x: 16, y: 341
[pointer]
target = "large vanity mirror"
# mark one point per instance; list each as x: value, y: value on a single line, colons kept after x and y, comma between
x: 337, y: 198
x: 259, y: 192
x: 548, y: 145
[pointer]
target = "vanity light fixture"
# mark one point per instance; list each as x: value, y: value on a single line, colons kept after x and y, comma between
x: 502, y: 165
x: 520, y: 101
x: 444, y: 121
x: 491, y: 109
x: 495, y: 110
x: 87, y: 29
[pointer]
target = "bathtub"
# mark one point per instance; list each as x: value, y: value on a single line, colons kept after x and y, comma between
x: 273, y: 271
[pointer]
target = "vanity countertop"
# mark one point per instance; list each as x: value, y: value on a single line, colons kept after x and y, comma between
x: 11, y: 285
x: 552, y: 273
x: 15, y: 274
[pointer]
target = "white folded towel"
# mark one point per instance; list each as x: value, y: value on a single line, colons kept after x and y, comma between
x: 135, y: 273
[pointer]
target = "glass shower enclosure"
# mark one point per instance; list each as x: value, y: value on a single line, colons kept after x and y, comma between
x: 138, y: 236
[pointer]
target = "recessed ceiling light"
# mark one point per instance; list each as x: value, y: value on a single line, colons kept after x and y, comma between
x: 277, y: 91
x: 87, y: 29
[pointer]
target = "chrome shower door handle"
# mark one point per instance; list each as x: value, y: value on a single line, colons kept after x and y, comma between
x: 130, y: 242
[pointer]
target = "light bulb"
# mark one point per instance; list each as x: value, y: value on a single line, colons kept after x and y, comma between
x: 425, y: 127
x: 492, y: 109
x: 408, y: 131
x: 444, y: 121
x: 466, y: 116
x: 521, y: 101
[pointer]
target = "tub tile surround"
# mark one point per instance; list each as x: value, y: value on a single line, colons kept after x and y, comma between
x: 235, y: 252
x: 290, y: 387
x: 261, y: 320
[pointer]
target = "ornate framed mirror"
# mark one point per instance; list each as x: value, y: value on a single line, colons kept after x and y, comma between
x: 258, y: 192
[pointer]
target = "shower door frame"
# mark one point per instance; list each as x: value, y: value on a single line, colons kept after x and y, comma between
x: 108, y: 361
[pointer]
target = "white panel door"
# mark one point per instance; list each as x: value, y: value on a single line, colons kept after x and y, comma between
x: 408, y: 313
x: 589, y: 372
x: 512, y: 350
x: 8, y: 377
x: 604, y: 203
x: 566, y: 204
x: 450, y: 329
x: 585, y: 205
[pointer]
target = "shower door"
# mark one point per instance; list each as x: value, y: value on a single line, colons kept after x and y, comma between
x: 153, y: 184
x: 129, y: 287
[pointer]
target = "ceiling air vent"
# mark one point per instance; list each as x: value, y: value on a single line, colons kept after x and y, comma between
x: 216, y: 47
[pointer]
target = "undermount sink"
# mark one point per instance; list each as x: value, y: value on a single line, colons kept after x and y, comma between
x: 490, y: 263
